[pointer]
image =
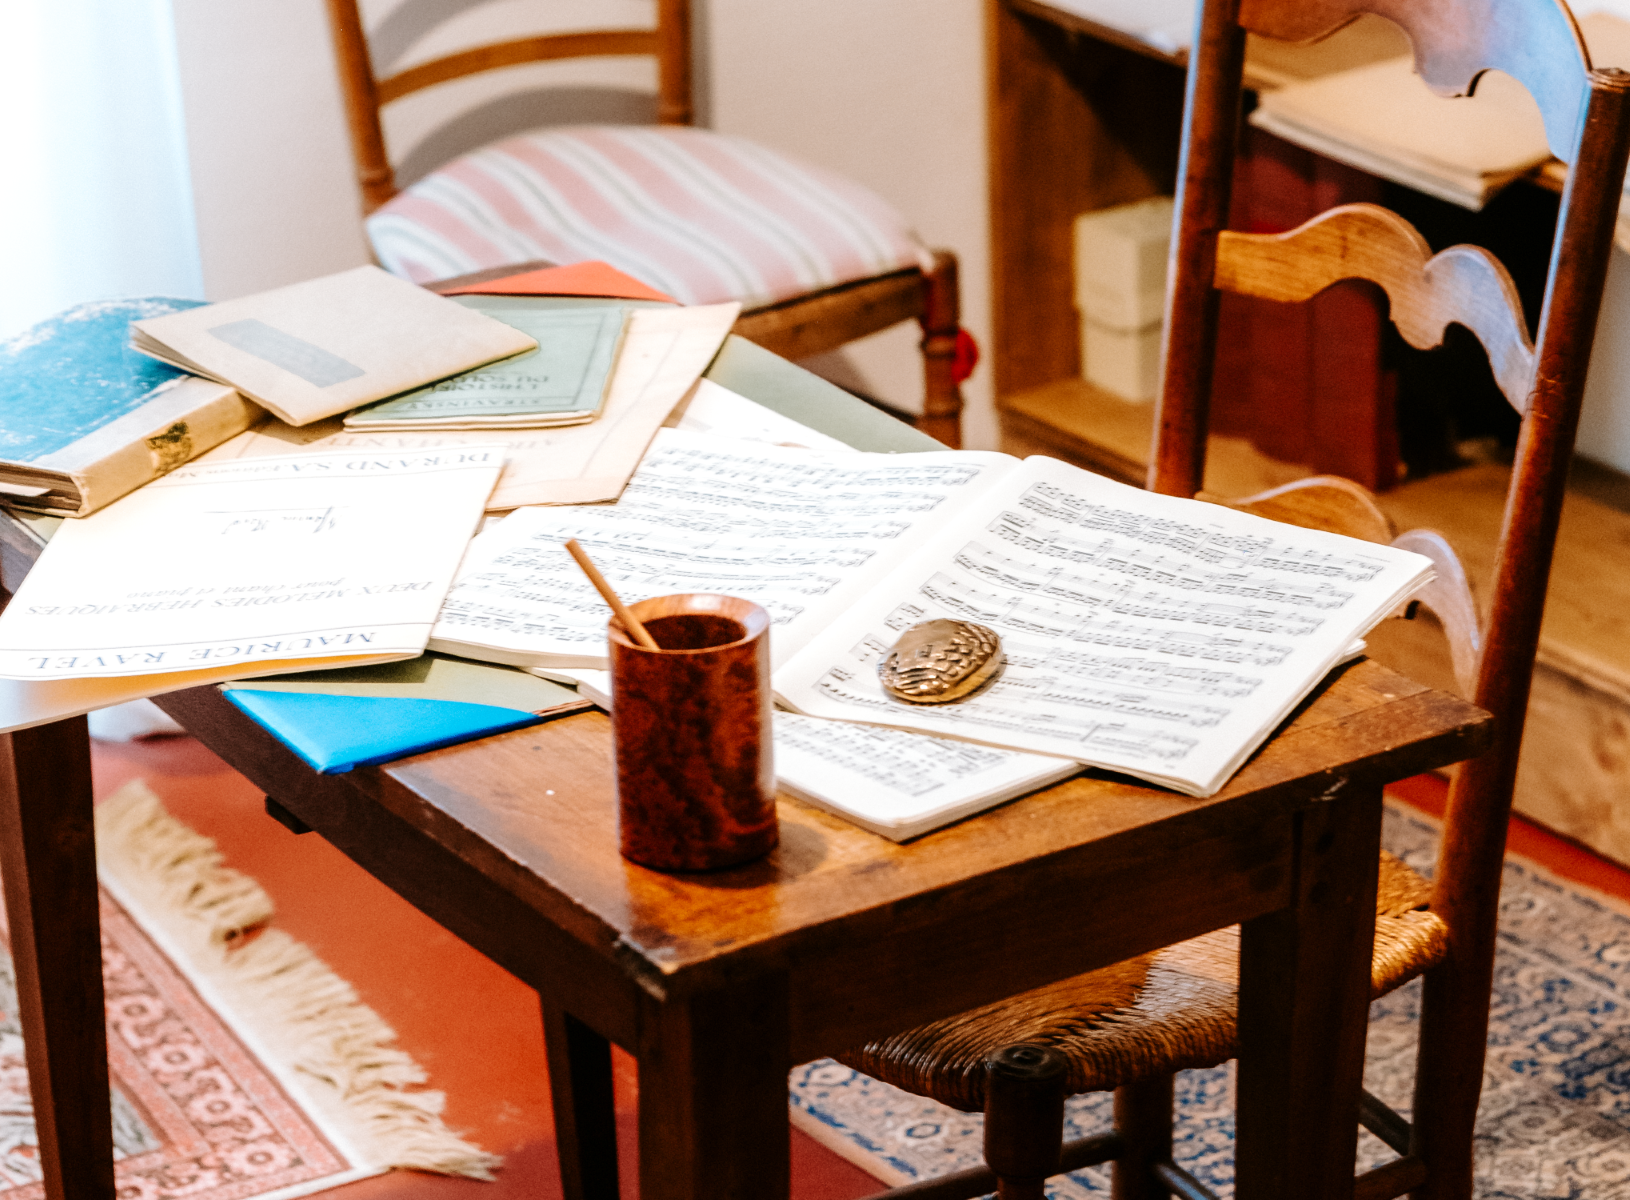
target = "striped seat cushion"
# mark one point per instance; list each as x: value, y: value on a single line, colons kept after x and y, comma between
x: 702, y: 216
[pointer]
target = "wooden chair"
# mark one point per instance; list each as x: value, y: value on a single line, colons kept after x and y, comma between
x: 1131, y: 1026
x: 816, y: 260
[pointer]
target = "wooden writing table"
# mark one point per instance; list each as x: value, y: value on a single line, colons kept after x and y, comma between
x: 720, y: 983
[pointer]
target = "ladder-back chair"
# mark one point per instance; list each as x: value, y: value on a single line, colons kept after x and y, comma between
x: 1131, y: 1026
x: 816, y: 260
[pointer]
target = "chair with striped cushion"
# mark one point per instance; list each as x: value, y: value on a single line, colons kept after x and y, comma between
x: 815, y: 259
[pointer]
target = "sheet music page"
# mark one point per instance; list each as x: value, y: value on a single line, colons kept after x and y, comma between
x: 1146, y: 634
x: 901, y: 784
x: 251, y: 564
x: 715, y: 409
x: 802, y: 533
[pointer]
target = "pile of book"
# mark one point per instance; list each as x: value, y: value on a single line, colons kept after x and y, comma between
x: 1144, y: 634
x: 109, y: 395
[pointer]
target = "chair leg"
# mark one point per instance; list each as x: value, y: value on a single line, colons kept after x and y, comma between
x: 1024, y: 1118
x: 1143, y: 1118
x: 1448, y: 1081
x: 1455, y: 1003
x: 580, y: 1087
x: 941, y: 320
x: 48, y: 858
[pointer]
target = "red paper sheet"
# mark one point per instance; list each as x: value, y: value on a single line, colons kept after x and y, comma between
x: 575, y: 279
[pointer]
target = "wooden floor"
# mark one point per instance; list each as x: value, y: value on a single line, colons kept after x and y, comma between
x: 473, y: 1026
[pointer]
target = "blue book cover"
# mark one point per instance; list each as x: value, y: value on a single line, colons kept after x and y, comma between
x: 335, y: 734
x: 85, y: 419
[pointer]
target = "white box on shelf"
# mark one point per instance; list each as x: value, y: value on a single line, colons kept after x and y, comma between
x: 1123, y: 361
x: 1120, y: 263
x: 1120, y: 292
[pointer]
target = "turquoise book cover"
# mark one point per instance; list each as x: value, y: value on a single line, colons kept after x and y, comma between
x: 75, y: 372
x: 86, y: 419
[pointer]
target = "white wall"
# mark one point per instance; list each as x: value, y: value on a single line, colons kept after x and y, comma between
x: 271, y: 168
x: 98, y: 204
x: 890, y: 93
x: 1604, y: 425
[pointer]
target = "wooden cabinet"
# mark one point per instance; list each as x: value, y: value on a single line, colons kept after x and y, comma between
x: 1084, y: 117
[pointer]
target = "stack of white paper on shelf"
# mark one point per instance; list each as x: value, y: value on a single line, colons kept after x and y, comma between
x: 1163, y: 25
x: 1384, y: 119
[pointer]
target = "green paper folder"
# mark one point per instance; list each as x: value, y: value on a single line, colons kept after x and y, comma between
x: 563, y: 382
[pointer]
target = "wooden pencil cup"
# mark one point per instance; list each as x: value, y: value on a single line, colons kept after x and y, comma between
x: 691, y: 723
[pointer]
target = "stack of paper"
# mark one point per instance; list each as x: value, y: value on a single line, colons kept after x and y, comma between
x: 665, y: 350
x: 325, y: 346
x: 1384, y: 119
x: 245, y: 568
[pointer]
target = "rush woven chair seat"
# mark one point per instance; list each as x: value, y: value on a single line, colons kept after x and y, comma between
x: 1145, y: 1018
x: 1130, y: 1026
x: 815, y: 259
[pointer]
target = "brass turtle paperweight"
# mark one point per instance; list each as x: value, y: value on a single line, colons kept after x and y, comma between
x: 935, y: 662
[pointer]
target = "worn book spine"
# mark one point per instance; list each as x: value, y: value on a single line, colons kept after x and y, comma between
x: 183, y: 420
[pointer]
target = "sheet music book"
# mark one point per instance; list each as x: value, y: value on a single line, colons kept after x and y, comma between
x: 1160, y: 637
x: 790, y: 529
x: 665, y: 350
x: 313, y: 349
x: 266, y: 565
x: 562, y: 382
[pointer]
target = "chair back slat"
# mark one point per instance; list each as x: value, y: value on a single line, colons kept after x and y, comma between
x: 1535, y: 41
x: 366, y: 94
x: 1464, y: 284
x: 587, y: 44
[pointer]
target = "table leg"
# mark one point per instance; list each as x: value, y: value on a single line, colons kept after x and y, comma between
x: 580, y: 1085
x: 48, y: 860
x: 713, y: 1094
x: 1304, y: 1006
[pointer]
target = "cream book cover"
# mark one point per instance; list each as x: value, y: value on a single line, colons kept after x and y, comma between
x: 325, y: 346
x: 262, y: 565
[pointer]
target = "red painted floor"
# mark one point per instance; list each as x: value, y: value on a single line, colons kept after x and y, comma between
x: 474, y: 1026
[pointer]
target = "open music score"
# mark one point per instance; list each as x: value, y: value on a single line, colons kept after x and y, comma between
x: 794, y: 531
x: 1161, y: 637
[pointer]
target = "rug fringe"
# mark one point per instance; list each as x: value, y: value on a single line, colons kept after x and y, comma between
x: 307, y: 1018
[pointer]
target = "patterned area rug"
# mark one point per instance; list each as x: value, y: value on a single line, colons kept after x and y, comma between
x: 1555, y: 1117
x: 242, y: 1066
